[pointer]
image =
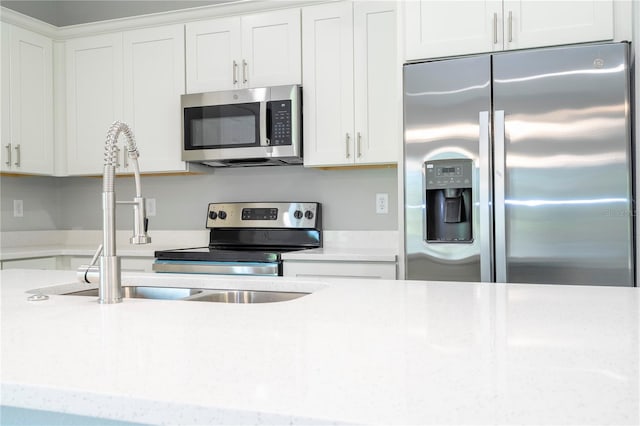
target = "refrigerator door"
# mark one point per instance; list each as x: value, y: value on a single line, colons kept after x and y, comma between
x: 446, y: 106
x: 567, y: 166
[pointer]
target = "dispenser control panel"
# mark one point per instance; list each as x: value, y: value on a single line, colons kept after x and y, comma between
x: 448, y: 174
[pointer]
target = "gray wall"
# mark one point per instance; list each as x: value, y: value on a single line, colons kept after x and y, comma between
x: 347, y: 196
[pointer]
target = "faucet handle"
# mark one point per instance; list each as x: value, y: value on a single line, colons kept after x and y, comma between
x: 140, y: 223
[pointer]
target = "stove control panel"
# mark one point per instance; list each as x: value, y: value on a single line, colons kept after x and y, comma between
x: 294, y: 215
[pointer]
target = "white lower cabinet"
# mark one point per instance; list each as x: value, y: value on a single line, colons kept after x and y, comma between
x: 350, y: 84
x: 127, y: 264
x: 50, y: 262
x: 340, y: 269
x: 136, y: 77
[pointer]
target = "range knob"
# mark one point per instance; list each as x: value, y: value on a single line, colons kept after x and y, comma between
x: 213, y: 215
x: 308, y: 214
x: 222, y: 214
x: 297, y: 214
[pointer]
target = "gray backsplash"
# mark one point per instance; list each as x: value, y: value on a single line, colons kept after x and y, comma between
x: 347, y: 196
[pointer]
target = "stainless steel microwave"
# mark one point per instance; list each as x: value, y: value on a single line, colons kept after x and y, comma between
x: 245, y: 127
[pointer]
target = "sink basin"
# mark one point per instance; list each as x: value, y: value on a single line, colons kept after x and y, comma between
x: 197, y: 294
x: 140, y: 292
x: 242, y: 296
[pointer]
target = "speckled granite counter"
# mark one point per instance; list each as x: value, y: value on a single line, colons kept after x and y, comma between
x: 353, y: 351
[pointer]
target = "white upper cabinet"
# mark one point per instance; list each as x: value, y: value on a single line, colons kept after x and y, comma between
x: 27, y: 102
x: 153, y: 82
x: 136, y: 77
x: 213, y: 55
x: 94, y: 99
x: 350, y: 84
x: 545, y: 23
x: 437, y: 28
x: 376, y: 82
x: 239, y: 52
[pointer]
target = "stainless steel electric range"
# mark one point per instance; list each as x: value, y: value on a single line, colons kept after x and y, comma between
x: 248, y: 239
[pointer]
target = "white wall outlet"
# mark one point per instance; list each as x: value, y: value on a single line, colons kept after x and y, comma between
x: 150, y: 206
x: 382, y: 203
x: 18, y: 208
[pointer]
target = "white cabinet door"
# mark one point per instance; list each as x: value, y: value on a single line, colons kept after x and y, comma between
x: 435, y: 28
x: 5, y: 129
x: 153, y: 82
x: 271, y: 48
x: 213, y: 55
x: 339, y: 269
x: 438, y: 28
x: 327, y: 72
x: 376, y: 82
x: 28, y: 87
x: 530, y: 23
x: 94, y: 99
x: 34, y: 263
x: 258, y: 50
x: 350, y: 84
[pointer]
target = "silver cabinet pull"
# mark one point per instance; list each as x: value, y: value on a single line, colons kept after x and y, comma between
x: 359, y: 140
x: 346, y: 139
x: 495, y: 28
x: 510, y: 26
x: 235, y: 72
x: 244, y: 71
x: 117, y: 157
x: 17, y: 148
x: 8, y: 147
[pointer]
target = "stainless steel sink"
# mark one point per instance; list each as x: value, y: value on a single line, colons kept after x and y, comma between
x: 243, y: 296
x: 143, y: 292
x: 198, y: 294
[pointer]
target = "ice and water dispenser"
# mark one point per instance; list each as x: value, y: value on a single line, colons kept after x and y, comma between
x: 448, y: 201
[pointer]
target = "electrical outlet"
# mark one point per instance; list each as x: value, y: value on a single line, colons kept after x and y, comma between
x: 18, y: 208
x: 150, y: 206
x: 382, y: 203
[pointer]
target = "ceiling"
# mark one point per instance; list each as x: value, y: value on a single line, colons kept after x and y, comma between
x: 64, y: 13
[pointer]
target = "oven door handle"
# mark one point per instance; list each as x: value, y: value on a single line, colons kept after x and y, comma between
x: 217, y: 268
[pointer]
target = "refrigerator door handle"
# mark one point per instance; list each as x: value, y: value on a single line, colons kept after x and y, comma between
x: 499, y: 199
x: 486, y: 234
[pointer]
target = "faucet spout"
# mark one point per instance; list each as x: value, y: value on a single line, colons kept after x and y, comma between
x: 110, y: 289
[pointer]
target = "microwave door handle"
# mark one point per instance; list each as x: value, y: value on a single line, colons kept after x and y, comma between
x: 264, y: 138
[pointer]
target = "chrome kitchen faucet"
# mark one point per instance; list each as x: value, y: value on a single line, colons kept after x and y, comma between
x: 110, y: 290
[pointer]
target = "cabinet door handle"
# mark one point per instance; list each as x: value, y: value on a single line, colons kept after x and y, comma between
x: 359, y: 140
x: 17, y: 148
x: 510, y: 26
x: 244, y: 71
x: 346, y: 139
x: 8, y: 147
x: 235, y: 72
x: 495, y: 28
x: 117, y: 157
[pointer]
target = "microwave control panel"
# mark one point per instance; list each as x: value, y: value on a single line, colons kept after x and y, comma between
x: 279, y: 122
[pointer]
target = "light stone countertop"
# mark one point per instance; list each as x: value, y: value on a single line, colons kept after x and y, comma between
x: 353, y: 351
x: 373, y: 246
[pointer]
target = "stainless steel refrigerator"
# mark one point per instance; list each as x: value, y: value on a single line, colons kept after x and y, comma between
x: 518, y: 167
